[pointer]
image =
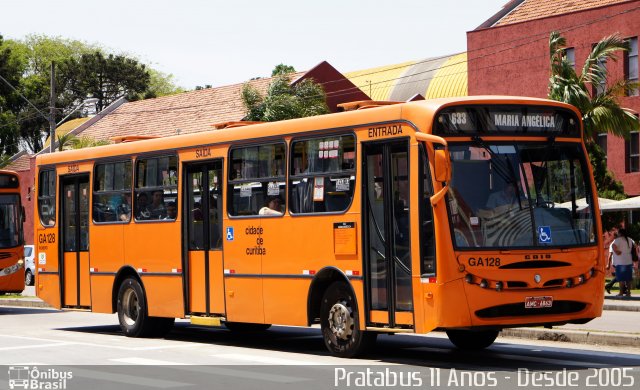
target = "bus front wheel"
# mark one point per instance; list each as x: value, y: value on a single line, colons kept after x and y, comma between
x: 472, y: 339
x: 340, y: 323
x: 132, y: 313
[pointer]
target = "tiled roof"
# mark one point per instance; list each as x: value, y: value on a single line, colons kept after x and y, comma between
x: 432, y: 78
x: 183, y: 113
x: 20, y: 164
x: 537, y: 9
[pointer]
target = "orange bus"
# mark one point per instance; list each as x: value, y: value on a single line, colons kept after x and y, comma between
x: 11, y: 235
x: 468, y: 215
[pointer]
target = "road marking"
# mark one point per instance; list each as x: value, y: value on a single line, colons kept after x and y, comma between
x: 146, y: 362
x: 264, y: 360
x: 34, y: 346
x: 149, y: 348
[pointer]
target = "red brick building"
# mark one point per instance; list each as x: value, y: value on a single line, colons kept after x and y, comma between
x: 509, y: 54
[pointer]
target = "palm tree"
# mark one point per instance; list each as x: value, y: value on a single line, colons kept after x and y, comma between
x: 64, y: 140
x: 87, y: 142
x: 71, y: 141
x: 601, y: 111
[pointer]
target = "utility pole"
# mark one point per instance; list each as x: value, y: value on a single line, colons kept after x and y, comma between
x: 52, y: 109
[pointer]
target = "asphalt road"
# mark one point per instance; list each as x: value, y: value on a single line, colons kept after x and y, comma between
x: 92, y: 346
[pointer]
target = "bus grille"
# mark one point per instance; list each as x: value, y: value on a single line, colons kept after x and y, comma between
x: 518, y: 310
x: 4, y: 255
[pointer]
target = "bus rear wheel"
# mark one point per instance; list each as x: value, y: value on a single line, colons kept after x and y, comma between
x: 132, y: 313
x: 340, y: 323
x: 472, y: 339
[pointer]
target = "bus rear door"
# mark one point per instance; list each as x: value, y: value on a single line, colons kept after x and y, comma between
x: 203, y: 217
x: 76, y: 291
x: 387, y: 249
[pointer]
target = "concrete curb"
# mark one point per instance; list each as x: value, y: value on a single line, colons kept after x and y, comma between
x: 620, y: 307
x: 21, y: 302
x: 574, y: 336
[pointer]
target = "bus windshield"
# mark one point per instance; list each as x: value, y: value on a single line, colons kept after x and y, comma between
x: 520, y: 194
x: 10, y: 226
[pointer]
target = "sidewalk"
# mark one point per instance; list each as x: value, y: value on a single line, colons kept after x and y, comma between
x: 618, y: 325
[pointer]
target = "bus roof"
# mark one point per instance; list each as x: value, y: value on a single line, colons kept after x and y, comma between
x: 416, y: 112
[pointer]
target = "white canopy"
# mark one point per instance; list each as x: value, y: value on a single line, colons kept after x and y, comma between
x: 622, y: 205
x: 582, y: 203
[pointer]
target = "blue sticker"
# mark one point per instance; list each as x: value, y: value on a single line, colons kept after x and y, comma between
x: 230, y: 233
x: 544, y: 234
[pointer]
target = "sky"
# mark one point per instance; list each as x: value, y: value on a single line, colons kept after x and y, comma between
x: 227, y: 42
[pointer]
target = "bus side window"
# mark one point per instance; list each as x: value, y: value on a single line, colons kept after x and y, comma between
x: 156, y: 190
x: 47, y: 197
x: 257, y: 180
x: 112, y: 192
x: 322, y: 174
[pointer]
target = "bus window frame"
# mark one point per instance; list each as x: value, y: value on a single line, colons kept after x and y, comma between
x: 134, y: 188
x: 354, y: 173
x: 50, y: 169
x: 424, y: 169
x: 231, y: 183
x: 115, y: 160
x: 531, y: 140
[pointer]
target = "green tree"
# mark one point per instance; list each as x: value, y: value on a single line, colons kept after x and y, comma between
x: 71, y: 141
x: 161, y: 84
x: 282, y: 69
x: 106, y: 77
x: 33, y: 57
x: 283, y: 100
x: 9, y: 128
x: 82, y: 70
x: 601, y: 110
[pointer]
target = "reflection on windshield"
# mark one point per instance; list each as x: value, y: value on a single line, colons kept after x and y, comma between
x: 520, y: 195
x: 10, y: 226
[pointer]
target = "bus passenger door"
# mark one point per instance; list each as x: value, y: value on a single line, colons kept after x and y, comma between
x: 75, y: 241
x: 387, y: 248
x: 203, y: 219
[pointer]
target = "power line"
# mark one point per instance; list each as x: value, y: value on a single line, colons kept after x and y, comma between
x: 347, y: 91
x: 23, y: 97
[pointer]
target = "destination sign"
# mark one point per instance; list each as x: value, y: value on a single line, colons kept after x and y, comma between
x: 506, y: 120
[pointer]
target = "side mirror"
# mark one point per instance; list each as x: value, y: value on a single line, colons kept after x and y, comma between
x: 442, y: 166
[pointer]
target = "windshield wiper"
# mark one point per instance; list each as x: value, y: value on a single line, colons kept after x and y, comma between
x: 501, y: 166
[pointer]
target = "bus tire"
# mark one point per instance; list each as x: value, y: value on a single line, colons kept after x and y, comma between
x: 246, y: 327
x: 340, y: 323
x: 472, y: 339
x: 132, y: 310
x: 28, y: 278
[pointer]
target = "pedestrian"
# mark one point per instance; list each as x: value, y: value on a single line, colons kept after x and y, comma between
x: 613, y: 280
x: 621, y: 259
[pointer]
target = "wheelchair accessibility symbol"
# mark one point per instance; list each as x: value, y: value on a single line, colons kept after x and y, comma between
x: 544, y: 234
x: 230, y: 234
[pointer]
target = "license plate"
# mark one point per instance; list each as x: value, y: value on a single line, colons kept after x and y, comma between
x: 538, y: 302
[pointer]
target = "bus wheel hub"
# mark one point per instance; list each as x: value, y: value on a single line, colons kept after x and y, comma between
x: 341, y: 321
